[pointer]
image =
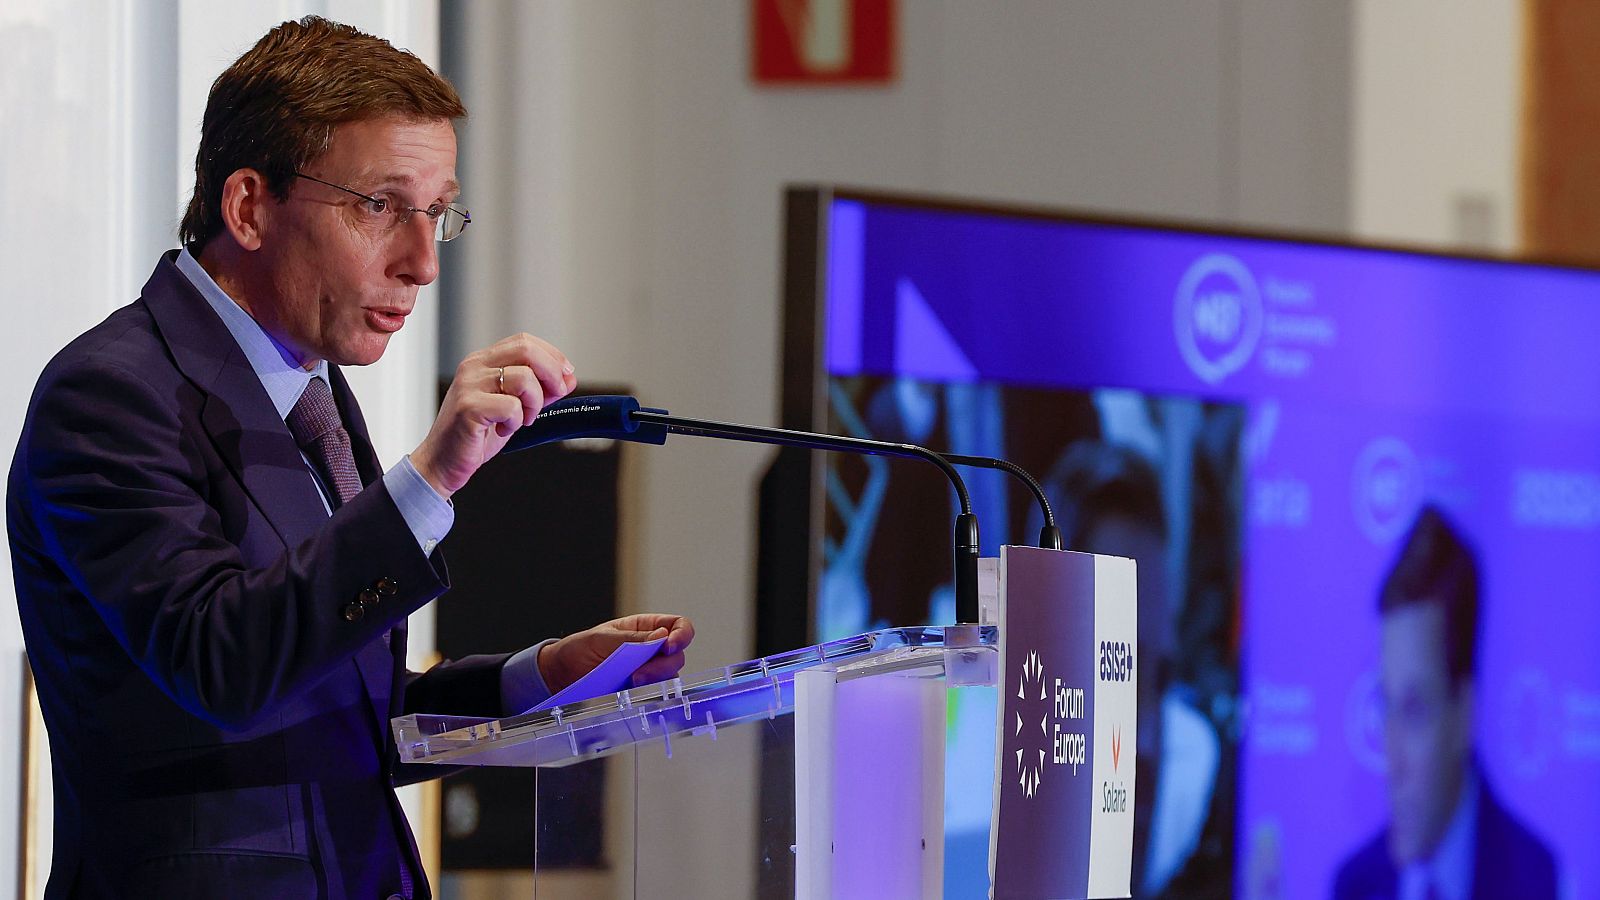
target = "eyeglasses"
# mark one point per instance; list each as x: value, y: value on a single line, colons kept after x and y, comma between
x: 448, y: 221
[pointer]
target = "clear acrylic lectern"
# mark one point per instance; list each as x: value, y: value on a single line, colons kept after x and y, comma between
x: 813, y: 773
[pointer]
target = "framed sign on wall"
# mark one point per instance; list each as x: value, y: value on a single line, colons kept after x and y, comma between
x: 823, y: 42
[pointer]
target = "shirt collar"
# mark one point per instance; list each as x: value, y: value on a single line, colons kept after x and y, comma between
x: 283, y: 380
x: 1449, y: 869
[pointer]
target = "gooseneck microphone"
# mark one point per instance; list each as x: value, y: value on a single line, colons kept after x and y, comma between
x: 1049, y: 534
x: 622, y: 418
x: 600, y: 416
x: 965, y: 540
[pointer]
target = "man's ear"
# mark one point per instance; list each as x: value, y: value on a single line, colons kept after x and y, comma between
x: 246, y: 211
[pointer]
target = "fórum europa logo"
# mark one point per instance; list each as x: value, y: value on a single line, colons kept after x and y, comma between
x: 1217, y: 316
x: 1031, y: 696
x: 1054, y: 704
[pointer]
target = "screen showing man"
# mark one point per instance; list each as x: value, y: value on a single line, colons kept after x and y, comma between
x: 1448, y: 834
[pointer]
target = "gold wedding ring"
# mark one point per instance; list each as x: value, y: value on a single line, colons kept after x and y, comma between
x: 501, y: 381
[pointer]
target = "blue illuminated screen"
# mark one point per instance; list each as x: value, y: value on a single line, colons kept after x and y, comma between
x: 1296, y: 406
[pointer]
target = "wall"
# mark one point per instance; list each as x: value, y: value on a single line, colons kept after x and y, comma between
x: 1434, y: 136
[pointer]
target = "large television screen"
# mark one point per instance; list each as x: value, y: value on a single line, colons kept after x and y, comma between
x: 1362, y: 484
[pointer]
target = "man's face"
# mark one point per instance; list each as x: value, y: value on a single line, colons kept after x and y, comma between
x: 337, y: 282
x: 1427, y: 730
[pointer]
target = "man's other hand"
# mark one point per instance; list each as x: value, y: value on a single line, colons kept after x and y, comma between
x: 565, y: 661
x: 496, y: 391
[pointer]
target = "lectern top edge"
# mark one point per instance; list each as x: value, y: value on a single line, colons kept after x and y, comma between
x: 694, y: 705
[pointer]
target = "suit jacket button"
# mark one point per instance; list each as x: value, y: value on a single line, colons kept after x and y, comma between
x: 353, y: 611
x: 367, y: 597
x: 387, y: 587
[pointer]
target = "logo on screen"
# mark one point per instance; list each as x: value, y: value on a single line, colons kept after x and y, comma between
x: 1363, y: 716
x: 1553, y: 498
x: 1531, y: 724
x: 1217, y: 316
x: 1387, y: 489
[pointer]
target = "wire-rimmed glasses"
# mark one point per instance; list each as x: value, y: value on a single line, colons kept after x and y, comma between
x: 448, y: 221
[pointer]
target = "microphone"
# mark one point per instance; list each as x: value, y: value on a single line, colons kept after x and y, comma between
x: 965, y: 540
x: 1049, y: 534
x: 599, y: 415
x: 622, y: 418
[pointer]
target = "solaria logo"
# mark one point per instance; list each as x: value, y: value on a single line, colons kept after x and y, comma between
x: 1217, y: 316
x: 1114, y: 793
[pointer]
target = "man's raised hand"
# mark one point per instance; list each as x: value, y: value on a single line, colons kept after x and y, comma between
x: 496, y: 390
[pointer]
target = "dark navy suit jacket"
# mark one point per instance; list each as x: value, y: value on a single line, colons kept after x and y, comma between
x: 1508, y: 861
x: 218, y: 724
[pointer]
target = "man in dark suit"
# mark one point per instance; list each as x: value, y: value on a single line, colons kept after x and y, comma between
x: 1449, y: 837
x: 212, y: 573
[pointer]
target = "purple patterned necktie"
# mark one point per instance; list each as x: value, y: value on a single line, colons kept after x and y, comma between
x: 315, y: 424
x: 316, y: 427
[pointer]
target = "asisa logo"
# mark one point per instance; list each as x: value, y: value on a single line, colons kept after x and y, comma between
x: 1217, y: 316
x: 1116, y: 661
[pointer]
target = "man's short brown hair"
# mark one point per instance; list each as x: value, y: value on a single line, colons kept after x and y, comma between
x: 1436, y: 566
x: 274, y: 110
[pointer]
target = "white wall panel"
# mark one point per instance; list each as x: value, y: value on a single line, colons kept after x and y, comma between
x: 70, y: 98
x: 1434, y: 131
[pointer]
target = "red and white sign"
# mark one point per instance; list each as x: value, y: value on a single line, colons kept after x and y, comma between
x: 822, y: 41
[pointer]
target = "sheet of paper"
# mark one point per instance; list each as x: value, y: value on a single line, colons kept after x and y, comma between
x: 607, y: 678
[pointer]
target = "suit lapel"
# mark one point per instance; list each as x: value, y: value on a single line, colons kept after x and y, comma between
x: 237, y: 414
x: 378, y: 661
x: 255, y: 443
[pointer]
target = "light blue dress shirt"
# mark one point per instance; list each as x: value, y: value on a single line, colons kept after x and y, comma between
x: 428, y: 515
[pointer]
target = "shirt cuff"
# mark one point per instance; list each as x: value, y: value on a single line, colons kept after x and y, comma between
x: 428, y: 515
x: 521, y: 685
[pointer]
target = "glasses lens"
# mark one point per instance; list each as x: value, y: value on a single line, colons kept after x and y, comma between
x: 452, y: 222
